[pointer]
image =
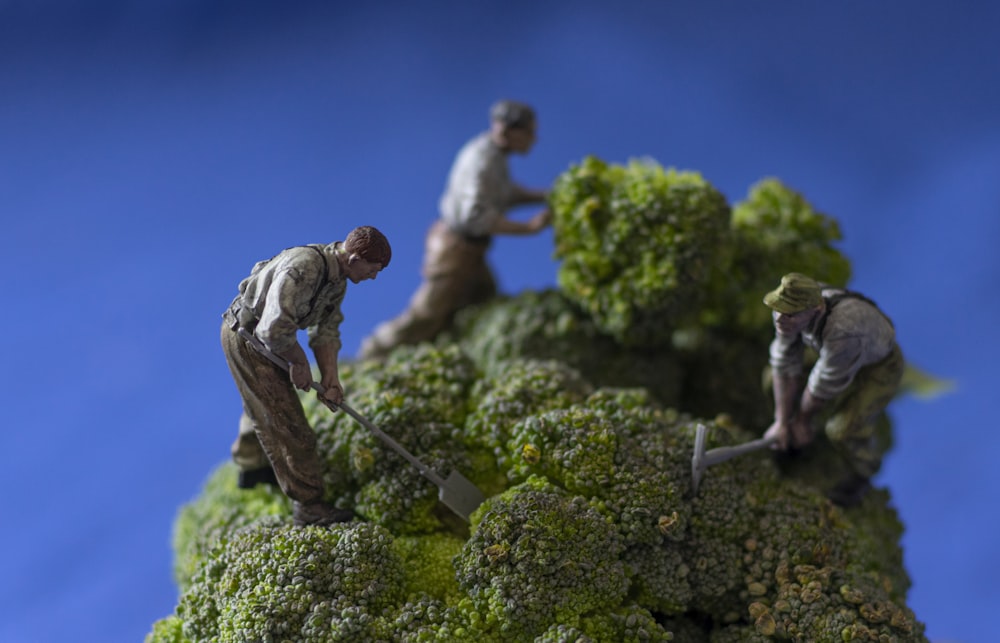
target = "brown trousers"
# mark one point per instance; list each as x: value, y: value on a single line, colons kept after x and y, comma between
x: 455, y: 274
x: 273, y: 428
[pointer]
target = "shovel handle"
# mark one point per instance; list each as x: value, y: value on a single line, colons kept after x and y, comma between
x: 424, y: 470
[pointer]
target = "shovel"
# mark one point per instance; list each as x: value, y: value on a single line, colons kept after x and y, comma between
x: 457, y: 492
x: 702, y: 459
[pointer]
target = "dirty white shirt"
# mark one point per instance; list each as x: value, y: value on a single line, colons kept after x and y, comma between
x: 479, y: 189
x: 855, y: 335
x: 287, y: 293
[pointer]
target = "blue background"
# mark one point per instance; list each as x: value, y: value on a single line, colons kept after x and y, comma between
x: 151, y: 151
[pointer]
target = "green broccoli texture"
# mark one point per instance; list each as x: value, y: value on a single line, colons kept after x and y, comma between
x: 574, y: 410
x: 637, y: 243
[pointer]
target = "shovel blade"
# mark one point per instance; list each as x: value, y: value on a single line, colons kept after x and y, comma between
x: 459, y: 494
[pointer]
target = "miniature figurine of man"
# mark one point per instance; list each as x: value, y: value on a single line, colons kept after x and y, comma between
x: 473, y: 209
x: 299, y: 288
x: 857, y: 373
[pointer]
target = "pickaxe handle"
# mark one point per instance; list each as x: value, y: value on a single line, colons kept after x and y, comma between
x: 703, y: 459
x: 721, y: 454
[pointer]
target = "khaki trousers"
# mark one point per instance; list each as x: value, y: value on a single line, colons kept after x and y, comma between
x: 273, y: 428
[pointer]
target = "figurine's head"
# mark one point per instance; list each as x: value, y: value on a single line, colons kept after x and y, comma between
x: 368, y: 252
x: 795, y: 302
x: 512, y: 126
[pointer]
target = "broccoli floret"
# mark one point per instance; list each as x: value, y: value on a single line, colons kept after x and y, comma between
x: 274, y: 581
x: 609, y: 454
x: 540, y: 555
x: 427, y: 564
x: 521, y: 389
x: 774, y: 231
x: 638, y: 245
x: 547, y: 326
x: 167, y: 630
x: 220, y: 509
x: 629, y: 625
x: 419, y: 399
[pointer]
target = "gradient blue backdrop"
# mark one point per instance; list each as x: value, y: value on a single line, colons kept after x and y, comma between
x: 151, y: 151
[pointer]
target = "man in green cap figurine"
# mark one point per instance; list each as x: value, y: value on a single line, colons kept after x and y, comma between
x: 299, y: 288
x: 857, y: 373
x: 473, y: 209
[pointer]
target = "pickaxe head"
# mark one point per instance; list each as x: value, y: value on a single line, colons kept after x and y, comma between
x: 698, y: 462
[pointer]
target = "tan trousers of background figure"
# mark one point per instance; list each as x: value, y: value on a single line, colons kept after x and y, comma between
x: 455, y: 274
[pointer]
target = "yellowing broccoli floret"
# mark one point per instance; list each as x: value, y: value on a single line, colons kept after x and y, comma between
x: 521, y: 389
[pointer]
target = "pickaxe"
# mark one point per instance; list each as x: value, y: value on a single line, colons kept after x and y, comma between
x: 703, y: 459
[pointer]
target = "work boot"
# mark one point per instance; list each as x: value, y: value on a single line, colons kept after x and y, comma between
x: 253, y: 477
x: 319, y: 513
x: 850, y: 491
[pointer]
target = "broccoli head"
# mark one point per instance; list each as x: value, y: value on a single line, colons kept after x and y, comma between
x: 575, y: 412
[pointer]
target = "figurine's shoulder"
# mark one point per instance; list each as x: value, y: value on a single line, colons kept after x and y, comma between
x: 480, y: 150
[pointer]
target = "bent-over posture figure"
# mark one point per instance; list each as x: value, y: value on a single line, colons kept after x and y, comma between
x: 857, y: 374
x: 299, y: 288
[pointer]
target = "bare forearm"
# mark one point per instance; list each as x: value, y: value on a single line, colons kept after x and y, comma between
x: 294, y: 355
x: 326, y: 359
x: 525, y: 196
x: 786, y: 396
x: 535, y: 224
x: 810, y: 406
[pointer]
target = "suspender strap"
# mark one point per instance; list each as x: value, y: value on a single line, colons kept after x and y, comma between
x: 833, y: 300
x: 322, y: 282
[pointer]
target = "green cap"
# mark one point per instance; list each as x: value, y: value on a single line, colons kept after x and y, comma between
x: 795, y: 294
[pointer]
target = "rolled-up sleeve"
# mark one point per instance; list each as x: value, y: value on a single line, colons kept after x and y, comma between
x: 786, y: 355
